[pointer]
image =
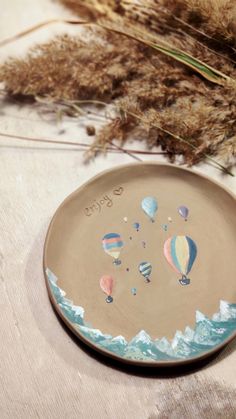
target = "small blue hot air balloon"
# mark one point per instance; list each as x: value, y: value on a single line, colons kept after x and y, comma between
x: 180, y: 253
x: 136, y: 226
x: 145, y: 268
x: 150, y: 206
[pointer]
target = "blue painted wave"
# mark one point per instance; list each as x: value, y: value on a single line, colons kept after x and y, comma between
x: 206, y: 335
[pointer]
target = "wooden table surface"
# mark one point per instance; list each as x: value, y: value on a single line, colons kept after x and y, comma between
x: 44, y: 371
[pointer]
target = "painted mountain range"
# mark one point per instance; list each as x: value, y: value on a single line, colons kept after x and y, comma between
x: 207, y: 334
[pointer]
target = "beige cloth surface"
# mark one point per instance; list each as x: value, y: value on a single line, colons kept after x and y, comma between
x: 44, y: 372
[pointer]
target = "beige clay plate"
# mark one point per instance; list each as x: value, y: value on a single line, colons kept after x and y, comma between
x: 140, y: 264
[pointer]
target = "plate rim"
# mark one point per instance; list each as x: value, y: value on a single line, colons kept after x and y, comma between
x: 69, y: 324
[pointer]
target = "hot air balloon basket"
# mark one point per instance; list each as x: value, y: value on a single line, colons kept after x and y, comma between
x: 184, y: 280
x: 109, y: 299
x: 117, y: 262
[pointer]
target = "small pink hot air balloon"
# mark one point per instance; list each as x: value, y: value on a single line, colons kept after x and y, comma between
x: 106, y: 284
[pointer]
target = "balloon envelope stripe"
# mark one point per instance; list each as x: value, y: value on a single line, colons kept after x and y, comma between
x: 145, y: 270
x: 175, y: 261
x: 192, y: 252
x: 167, y: 253
x: 182, y: 252
x: 145, y: 265
x: 113, y: 245
x: 146, y: 273
x: 113, y: 240
x: 111, y: 236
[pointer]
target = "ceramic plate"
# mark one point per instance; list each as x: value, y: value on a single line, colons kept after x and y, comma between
x: 140, y: 264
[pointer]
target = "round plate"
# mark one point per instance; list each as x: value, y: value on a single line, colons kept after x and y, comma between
x: 140, y: 264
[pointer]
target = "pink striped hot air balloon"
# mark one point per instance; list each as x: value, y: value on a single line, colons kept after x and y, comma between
x: 180, y: 252
x: 112, y: 245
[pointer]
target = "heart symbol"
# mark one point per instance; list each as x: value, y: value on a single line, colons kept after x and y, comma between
x: 118, y: 191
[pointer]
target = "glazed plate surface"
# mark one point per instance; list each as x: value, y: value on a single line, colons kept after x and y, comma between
x: 140, y: 264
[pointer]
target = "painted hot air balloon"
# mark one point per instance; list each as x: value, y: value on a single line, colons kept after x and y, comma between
x: 180, y: 253
x: 183, y: 212
x: 145, y: 268
x: 136, y: 226
x: 112, y: 245
x: 106, y: 284
x: 150, y: 206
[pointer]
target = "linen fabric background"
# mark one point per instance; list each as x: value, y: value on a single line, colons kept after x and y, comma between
x: 44, y: 372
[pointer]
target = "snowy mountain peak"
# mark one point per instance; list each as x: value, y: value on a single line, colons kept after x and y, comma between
x: 51, y: 276
x: 224, y: 310
x: 141, y: 337
x: 79, y: 311
x: 120, y: 339
x: 189, y: 333
x: 163, y: 345
x: 200, y: 316
x: 178, y: 335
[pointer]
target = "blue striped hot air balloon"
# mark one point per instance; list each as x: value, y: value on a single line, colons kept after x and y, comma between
x: 145, y: 268
x: 180, y: 253
x: 112, y: 245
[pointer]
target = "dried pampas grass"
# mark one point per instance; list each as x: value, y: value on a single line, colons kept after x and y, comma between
x: 156, y: 98
x: 216, y: 17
